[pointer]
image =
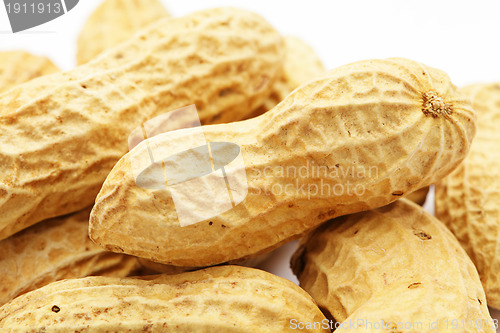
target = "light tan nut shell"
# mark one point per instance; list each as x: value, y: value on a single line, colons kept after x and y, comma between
x: 152, y: 267
x: 62, y: 134
x: 468, y: 201
x: 395, y: 264
x: 301, y: 64
x: 376, y: 129
x: 217, y: 299
x: 419, y: 196
x: 17, y: 67
x: 53, y: 250
x: 113, y: 22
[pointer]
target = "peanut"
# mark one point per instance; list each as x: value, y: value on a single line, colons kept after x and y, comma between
x: 53, y: 250
x: 62, y: 134
x: 113, y: 22
x: 217, y: 299
x: 396, y: 265
x: 384, y: 127
x: 419, y: 196
x: 301, y: 64
x: 17, y: 67
x: 468, y: 200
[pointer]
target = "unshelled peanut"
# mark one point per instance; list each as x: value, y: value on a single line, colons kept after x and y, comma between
x: 62, y: 134
x: 53, y: 250
x: 419, y: 196
x: 217, y: 299
x: 113, y: 22
x: 17, y: 67
x: 396, y: 268
x: 154, y: 267
x: 357, y: 137
x: 468, y: 200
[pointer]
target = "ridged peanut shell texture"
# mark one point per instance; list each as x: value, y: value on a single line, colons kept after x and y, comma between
x: 468, y: 200
x: 113, y: 22
x: 17, y: 67
x: 396, y: 265
x: 62, y: 134
x: 217, y: 299
x: 53, y: 250
x: 366, y: 133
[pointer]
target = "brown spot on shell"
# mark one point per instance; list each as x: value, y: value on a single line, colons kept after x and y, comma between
x: 225, y: 92
x: 422, y: 235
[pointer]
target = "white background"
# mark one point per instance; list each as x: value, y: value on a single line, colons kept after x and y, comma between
x: 459, y: 37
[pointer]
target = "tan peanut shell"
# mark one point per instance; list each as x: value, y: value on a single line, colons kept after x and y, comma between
x: 53, y: 250
x: 113, y: 22
x: 301, y: 64
x: 62, y: 134
x: 17, y: 67
x: 468, y: 200
x: 396, y: 265
x: 217, y: 299
x: 155, y: 268
x: 376, y: 129
x: 419, y: 196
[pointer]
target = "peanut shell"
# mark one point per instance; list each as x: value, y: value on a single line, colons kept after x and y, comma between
x: 468, y: 200
x: 53, y: 250
x: 17, y: 67
x: 113, y: 22
x: 217, y: 299
x: 155, y: 268
x: 419, y: 196
x: 395, y: 265
x: 301, y: 64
